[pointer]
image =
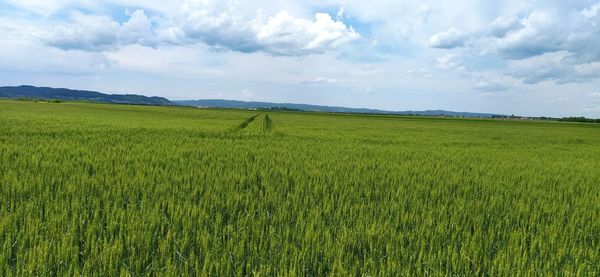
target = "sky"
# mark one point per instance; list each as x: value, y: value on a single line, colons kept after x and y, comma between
x: 525, y: 57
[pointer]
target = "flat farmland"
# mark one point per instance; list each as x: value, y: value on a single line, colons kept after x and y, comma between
x: 99, y: 189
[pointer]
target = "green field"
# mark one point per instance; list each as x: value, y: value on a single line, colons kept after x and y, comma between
x: 98, y: 189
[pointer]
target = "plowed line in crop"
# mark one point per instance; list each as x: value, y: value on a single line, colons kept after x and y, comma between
x: 267, y: 124
x: 246, y: 122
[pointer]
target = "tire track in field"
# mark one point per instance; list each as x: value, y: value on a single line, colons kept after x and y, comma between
x: 267, y: 124
x: 256, y: 125
x: 246, y: 122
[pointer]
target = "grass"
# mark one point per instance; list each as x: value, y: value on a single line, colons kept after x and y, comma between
x: 98, y: 189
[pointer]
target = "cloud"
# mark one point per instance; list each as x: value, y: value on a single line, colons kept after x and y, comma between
x: 536, y: 34
x: 101, y: 33
x: 489, y: 86
x: 592, y: 11
x: 502, y: 25
x: 541, y: 45
x: 48, y: 8
x: 595, y: 93
x: 286, y: 35
x: 27, y: 59
x: 450, y: 61
x: 556, y: 66
x: 423, y: 72
x: 363, y: 89
x: 532, y: 34
x: 489, y: 82
x: 280, y: 35
x: 322, y: 80
x: 137, y: 30
x: 560, y: 99
x: 452, y: 38
x: 593, y: 108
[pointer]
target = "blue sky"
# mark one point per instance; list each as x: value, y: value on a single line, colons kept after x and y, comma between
x: 513, y: 57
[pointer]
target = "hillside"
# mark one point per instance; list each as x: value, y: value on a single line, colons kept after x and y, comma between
x: 31, y: 92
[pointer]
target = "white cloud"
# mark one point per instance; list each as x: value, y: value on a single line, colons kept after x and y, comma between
x: 50, y: 7
x: 281, y: 35
x: 86, y: 32
x: 556, y: 66
x: 286, y: 35
x: 594, y: 108
x: 502, y: 25
x: 490, y: 82
x: 450, y: 61
x: 560, y: 99
x: 423, y: 72
x: 531, y: 34
x: 32, y: 58
x: 452, y: 38
x: 247, y: 94
x: 137, y: 30
x: 101, y: 33
x: 592, y: 11
x: 538, y: 33
x: 541, y: 45
x: 595, y: 93
x: 322, y: 80
x: 489, y: 86
x: 363, y: 89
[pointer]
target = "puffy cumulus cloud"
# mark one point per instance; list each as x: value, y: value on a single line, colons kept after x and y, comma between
x: 101, y: 33
x: 452, y: 38
x: 286, y: 35
x: 282, y: 34
x: 137, y: 30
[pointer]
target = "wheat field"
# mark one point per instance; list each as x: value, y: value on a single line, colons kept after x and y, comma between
x: 98, y: 189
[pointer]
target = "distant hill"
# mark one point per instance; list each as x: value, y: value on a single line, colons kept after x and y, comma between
x: 232, y: 104
x: 31, y: 92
